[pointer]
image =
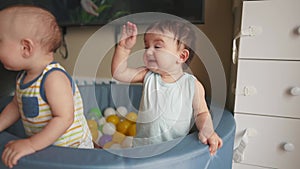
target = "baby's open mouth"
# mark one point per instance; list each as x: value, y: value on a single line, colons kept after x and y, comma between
x: 151, y: 60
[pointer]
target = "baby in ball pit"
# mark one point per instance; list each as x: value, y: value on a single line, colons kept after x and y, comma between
x: 46, y: 98
x: 171, y: 97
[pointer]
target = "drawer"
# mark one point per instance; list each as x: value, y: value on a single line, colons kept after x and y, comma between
x: 268, y: 87
x: 277, y: 31
x: 246, y: 166
x: 266, y: 145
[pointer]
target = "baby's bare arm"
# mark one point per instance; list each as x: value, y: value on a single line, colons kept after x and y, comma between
x: 119, y: 67
x: 203, y: 120
x: 9, y: 115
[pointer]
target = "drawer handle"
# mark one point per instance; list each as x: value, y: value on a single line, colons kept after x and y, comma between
x: 288, y: 147
x: 249, y: 91
x: 295, y: 91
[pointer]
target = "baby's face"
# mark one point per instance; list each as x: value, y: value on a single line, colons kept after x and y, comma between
x: 7, y: 46
x: 161, y: 52
x: 10, y: 46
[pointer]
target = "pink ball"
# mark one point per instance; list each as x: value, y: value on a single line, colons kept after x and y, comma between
x: 104, y: 139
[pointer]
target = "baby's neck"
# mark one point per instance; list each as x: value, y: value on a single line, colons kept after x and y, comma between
x: 171, y: 77
x: 37, y: 68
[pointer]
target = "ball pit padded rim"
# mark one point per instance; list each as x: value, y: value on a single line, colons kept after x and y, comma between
x: 96, y: 158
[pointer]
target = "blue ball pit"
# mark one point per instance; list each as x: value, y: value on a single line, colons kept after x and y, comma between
x: 189, y: 153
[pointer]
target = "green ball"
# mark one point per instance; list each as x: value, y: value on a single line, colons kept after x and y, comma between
x: 94, y: 113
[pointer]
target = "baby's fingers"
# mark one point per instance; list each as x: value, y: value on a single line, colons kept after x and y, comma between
x: 220, y: 144
x: 128, y: 37
x: 7, y: 157
x: 131, y: 28
x: 213, y: 148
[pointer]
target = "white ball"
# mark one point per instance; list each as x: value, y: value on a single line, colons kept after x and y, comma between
x: 109, y: 129
x: 122, y: 111
x: 109, y: 111
x: 101, y: 121
x: 127, y: 142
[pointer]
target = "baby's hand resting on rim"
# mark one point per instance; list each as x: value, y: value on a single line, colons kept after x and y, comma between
x: 16, y: 149
x: 128, y: 35
x: 214, y: 142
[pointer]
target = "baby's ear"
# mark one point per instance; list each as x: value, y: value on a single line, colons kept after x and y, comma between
x: 27, y: 47
x: 184, y: 55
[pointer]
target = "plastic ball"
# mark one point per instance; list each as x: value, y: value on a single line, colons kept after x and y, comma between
x: 94, y: 134
x: 109, y: 111
x: 132, y: 116
x: 127, y: 142
x: 100, y: 134
x: 118, y: 137
x: 131, y: 130
x: 113, y: 119
x: 93, y: 126
x: 104, y: 139
x: 101, y: 121
x: 123, y: 126
x: 108, y: 145
x: 94, y: 114
x: 109, y: 128
x: 122, y: 111
x: 100, y: 128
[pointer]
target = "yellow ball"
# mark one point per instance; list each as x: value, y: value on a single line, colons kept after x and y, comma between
x: 132, y: 117
x: 93, y: 126
x: 108, y: 145
x: 95, y: 134
x: 118, y: 137
x: 131, y: 130
x: 113, y: 119
x: 123, y: 126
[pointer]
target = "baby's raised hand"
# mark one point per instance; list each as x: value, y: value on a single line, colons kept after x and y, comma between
x: 128, y: 35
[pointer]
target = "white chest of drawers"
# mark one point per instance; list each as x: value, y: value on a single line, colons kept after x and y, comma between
x: 266, y: 84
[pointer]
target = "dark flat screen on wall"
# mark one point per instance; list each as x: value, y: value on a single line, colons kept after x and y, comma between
x: 72, y: 12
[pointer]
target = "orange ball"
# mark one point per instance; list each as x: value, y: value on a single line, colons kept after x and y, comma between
x: 113, y: 119
x: 123, y: 126
x: 132, y: 116
x: 131, y: 130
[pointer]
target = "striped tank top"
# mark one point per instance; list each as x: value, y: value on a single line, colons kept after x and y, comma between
x: 36, y: 113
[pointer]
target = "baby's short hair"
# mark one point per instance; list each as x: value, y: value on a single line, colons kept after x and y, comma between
x: 47, y: 31
x: 183, y: 33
